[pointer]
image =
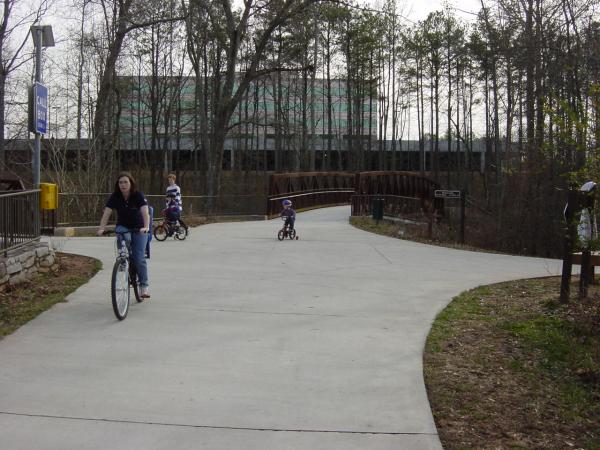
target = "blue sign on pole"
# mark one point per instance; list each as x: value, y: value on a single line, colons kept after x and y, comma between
x: 40, y: 108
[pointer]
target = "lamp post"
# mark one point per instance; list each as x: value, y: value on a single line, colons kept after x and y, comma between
x: 42, y: 37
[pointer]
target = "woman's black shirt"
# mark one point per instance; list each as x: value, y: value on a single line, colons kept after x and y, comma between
x: 128, y: 211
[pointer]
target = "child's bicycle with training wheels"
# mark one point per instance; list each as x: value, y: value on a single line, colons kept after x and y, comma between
x: 286, y: 231
x: 124, y: 277
x: 178, y: 229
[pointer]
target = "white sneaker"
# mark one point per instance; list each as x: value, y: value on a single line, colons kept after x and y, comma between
x: 144, y: 292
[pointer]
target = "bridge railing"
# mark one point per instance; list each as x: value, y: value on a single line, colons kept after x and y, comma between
x: 309, y: 190
x: 309, y: 199
x: 19, y: 219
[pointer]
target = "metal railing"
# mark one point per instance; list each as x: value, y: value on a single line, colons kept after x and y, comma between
x: 309, y: 189
x: 305, y: 189
x: 79, y: 209
x: 19, y: 219
x: 309, y: 199
x: 221, y: 205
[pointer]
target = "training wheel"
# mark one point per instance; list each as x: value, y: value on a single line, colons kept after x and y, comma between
x: 297, y: 237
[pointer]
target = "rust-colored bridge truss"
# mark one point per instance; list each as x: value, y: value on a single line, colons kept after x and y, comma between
x: 409, y: 191
x: 314, y: 189
x: 309, y: 189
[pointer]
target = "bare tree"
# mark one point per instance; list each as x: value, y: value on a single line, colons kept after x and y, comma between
x: 120, y: 17
x: 12, y: 52
x: 255, y: 21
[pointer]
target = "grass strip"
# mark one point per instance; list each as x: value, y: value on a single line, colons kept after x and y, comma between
x: 25, y: 301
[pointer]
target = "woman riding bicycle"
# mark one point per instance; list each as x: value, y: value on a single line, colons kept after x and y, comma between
x: 132, y: 217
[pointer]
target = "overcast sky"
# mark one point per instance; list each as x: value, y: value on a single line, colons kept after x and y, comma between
x: 413, y: 10
x: 418, y: 10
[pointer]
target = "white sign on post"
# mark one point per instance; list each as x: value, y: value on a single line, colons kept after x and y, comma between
x: 446, y: 194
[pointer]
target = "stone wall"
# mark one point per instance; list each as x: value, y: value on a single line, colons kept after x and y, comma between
x: 22, y: 264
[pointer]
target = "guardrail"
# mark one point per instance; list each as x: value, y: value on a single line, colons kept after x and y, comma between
x: 80, y: 209
x: 19, y: 219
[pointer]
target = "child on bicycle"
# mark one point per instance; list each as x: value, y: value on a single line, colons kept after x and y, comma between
x: 172, y: 212
x: 289, y: 213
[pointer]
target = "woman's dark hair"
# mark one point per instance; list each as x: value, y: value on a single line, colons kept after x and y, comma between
x: 131, y: 181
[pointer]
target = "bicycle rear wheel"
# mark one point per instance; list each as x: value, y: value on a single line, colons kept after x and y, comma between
x: 160, y: 232
x: 119, y: 289
x: 292, y: 234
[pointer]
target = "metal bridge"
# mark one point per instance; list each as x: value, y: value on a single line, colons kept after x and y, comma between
x: 404, y: 191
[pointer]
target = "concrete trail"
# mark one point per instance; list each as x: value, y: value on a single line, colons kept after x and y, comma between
x: 248, y: 343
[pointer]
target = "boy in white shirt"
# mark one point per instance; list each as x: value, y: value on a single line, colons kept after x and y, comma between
x: 172, y: 188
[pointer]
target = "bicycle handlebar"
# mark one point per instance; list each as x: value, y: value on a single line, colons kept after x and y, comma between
x: 109, y: 232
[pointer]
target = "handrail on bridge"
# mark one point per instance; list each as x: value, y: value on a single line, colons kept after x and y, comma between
x: 312, y: 189
x: 396, y: 183
x: 309, y: 189
x: 303, y: 200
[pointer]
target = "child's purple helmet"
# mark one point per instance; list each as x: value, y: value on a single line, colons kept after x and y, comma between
x: 286, y: 202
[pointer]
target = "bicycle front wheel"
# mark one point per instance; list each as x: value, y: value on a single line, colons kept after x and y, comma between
x: 187, y: 229
x: 133, y: 281
x: 119, y: 289
x: 160, y: 232
x: 181, y: 233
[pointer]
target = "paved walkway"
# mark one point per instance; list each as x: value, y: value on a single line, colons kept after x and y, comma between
x: 248, y: 343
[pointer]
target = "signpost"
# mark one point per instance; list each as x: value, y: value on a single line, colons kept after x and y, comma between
x: 42, y: 37
x: 459, y: 195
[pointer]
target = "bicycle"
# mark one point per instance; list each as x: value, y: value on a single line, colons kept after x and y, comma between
x: 286, y: 231
x: 165, y: 229
x: 124, y: 277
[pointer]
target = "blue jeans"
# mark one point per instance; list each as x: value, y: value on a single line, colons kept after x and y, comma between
x: 138, y: 248
x: 290, y: 221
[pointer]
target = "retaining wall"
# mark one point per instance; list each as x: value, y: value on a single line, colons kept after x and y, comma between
x: 25, y: 262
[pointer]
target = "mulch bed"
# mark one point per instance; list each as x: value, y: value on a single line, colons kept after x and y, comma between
x: 495, y: 381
